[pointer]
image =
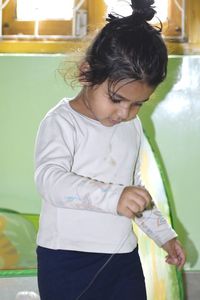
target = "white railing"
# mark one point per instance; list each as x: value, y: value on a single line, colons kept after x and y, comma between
x: 182, y: 8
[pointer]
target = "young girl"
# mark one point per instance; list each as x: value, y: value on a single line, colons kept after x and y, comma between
x: 87, y: 170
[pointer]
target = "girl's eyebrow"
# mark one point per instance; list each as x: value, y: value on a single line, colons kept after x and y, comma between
x: 127, y: 100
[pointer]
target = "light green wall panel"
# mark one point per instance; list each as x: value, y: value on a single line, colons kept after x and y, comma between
x: 29, y: 86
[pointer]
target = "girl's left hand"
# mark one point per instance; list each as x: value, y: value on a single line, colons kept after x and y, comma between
x: 176, y: 255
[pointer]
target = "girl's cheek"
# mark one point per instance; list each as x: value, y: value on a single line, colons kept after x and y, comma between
x: 134, y: 111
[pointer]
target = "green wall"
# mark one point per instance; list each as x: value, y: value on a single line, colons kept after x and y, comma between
x: 30, y: 85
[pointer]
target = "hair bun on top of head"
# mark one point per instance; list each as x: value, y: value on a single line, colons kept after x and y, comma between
x: 142, y: 11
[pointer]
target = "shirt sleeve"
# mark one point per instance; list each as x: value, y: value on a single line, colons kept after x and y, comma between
x: 56, y: 183
x: 152, y: 221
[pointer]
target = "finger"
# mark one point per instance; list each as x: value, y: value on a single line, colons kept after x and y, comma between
x: 139, y: 201
x: 135, y: 208
x: 128, y: 213
x: 142, y: 189
x: 172, y: 260
x: 144, y: 194
x: 178, y: 261
x: 181, y: 256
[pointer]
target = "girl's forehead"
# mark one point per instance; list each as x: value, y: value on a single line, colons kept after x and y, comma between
x: 132, y: 90
x: 126, y: 85
x: 126, y: 89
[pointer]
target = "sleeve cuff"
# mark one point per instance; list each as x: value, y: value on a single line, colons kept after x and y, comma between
x: 114, y: 199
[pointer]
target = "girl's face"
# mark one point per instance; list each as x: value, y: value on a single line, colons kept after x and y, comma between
x: 121, y: 104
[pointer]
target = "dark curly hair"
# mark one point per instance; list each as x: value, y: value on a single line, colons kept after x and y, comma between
x: 128, y: 48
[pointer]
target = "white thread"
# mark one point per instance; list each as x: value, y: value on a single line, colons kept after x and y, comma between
x: 150, y: 207
x: 27, y: 295
x: 104, y: 265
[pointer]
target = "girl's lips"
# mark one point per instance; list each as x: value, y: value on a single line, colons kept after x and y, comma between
x: 115, y: 122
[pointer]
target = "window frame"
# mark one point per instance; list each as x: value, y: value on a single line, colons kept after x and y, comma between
x: 12, y: 26
x: 174, y: 27
x: 96, y: 19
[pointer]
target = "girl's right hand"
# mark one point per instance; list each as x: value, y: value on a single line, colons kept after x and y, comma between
x: 133, y: 201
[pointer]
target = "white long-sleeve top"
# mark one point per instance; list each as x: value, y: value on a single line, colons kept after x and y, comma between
x: 81, y: 169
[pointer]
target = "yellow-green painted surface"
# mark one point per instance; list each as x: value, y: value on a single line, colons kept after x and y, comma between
x: 163, y: 282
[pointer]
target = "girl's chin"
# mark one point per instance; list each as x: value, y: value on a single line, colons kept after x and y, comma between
x: 109, y: 122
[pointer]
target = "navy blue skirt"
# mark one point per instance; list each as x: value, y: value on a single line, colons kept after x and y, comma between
x: 66, y: 274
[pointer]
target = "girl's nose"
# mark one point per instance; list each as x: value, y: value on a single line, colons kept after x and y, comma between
x: 123, y: 113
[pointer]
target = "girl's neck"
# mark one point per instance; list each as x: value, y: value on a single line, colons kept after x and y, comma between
x: 80, y: 104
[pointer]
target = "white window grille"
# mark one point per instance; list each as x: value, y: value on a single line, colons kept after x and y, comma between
x: 39, y: 10
x: 122, y: 7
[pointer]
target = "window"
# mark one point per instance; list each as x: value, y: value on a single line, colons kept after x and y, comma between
x: 38, y: 27
x: 39, y: 19
x: 37, y: 9
x: 170, y: 12
x: 174, y: 27
x: 122, y: 7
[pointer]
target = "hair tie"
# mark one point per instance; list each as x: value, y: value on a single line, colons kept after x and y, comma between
x: 144, y: 14
x: 143, y: 9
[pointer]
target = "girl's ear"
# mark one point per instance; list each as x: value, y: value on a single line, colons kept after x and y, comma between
x: 83, y: 68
